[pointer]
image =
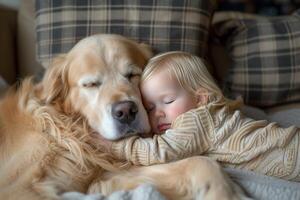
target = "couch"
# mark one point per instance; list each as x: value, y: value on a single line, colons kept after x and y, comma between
x: 244, y: 61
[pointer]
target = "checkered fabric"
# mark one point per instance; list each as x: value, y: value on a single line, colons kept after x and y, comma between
x: 164, y: 24
x: 265, y: 53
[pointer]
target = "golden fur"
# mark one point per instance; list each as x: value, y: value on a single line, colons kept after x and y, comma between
x: 49, y: 131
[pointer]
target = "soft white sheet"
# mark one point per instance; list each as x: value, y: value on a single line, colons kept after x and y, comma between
x: 264, y: 187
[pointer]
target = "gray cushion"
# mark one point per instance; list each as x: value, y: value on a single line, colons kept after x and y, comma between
x: 285, y: 116
x: 265, y: 54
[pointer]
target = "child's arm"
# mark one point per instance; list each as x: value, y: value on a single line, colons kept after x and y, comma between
x: 185, y: 139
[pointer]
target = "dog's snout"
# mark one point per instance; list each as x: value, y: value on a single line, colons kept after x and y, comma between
x: 124, y: 111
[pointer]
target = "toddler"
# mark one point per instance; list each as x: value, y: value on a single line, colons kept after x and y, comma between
x: 190, y: 116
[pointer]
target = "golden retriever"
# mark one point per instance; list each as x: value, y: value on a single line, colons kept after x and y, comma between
x: 49, y: 130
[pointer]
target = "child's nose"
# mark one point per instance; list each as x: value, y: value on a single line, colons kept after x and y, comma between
x: 159, y: 113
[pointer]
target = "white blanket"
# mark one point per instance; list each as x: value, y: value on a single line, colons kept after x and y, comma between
x: 143, y: 192
x: 256, y: 186
x: 263, y: 187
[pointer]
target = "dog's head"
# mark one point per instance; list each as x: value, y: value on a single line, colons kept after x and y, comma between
x: 99, y: 79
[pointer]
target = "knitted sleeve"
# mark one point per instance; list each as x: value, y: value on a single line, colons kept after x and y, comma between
x: 186, y: 138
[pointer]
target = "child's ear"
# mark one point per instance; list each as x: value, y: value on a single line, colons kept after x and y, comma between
x: 202, y: 96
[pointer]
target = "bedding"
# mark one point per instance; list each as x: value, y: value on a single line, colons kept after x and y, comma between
x: 262, y: 187
x: 144, y: 192
x: 258, y: 187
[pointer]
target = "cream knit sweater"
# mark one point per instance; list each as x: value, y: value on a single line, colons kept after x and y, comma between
x: 228, y: 137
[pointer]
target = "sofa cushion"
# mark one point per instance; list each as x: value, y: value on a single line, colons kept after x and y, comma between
x: 165, y: 25
x: 265, y: 55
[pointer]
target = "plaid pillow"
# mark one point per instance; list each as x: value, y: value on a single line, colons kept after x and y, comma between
x: 165, y: 25
x: 265, y: 53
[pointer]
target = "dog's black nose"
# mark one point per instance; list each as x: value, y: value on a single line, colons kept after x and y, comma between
x: 124, y: 111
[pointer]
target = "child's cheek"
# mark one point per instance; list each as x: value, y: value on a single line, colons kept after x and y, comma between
x: 175, y: 112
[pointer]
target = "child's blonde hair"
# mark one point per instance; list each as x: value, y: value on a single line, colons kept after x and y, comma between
x: 190, y: 71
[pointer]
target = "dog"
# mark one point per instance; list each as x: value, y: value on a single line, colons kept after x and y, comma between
x: 49, y: 130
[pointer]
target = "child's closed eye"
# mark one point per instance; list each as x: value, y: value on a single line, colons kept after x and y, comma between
x: 169, y: 101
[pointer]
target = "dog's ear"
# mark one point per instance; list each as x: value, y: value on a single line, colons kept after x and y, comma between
x: 53, y: 84
x: 146, y: 50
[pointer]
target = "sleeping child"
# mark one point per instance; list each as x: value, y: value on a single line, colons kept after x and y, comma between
x: 190, y: 116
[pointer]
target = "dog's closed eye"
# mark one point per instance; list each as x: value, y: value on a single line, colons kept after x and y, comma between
x: 134, y: 72
x: 90, y: 82
x: 132, y: 75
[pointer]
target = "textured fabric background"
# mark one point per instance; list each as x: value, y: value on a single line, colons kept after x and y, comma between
x: 265, y: 52
x: 165, y: 25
